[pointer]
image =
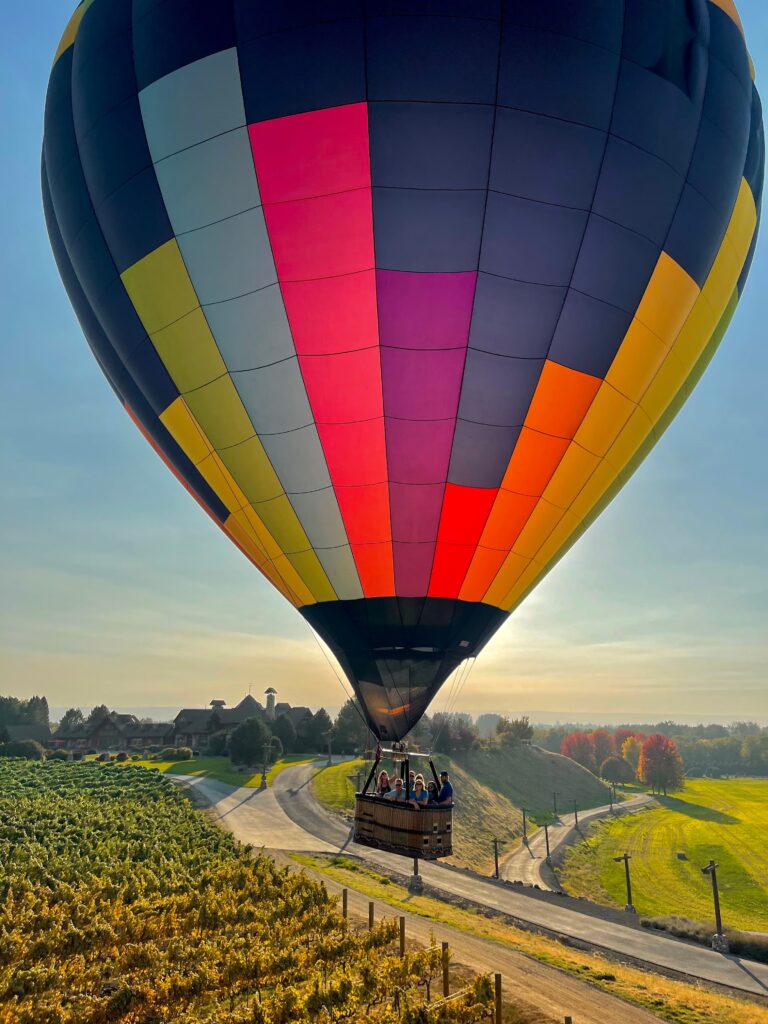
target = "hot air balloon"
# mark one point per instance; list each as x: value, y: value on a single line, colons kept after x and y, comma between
x: 403, y: 293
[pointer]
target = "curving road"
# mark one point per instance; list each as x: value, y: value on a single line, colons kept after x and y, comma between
x: 287, y: 817
x: 528, y: 864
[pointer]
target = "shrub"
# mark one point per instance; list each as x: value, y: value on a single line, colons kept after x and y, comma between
x: 29, y: 749
x: 91, y: 751
x: 57, y: 755
x: 153, y: 748
x: 105, y: 757
x: 167, y: 754
x: 122, y: 756
x: 184, y: 753
x: 136, y: 757
x: 77, y: 755
x: 218, y: 744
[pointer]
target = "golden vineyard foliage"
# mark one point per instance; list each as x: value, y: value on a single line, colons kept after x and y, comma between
x: 120, y: 902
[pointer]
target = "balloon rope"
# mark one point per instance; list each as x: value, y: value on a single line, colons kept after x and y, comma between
x: 453, y: 687
x: 341, y: 682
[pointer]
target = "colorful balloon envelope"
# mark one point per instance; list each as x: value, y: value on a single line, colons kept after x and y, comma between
x: 403, y: 292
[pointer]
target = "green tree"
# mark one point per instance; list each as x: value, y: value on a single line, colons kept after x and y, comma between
x: 218, y: 744
x: 513, y: 732
x: 616, y: 769
x: 283, y: 730
x: 248, y: 742
x: 37, y: 711
x: 72, y: 718
x: 349, y: 729
x: 320, y: 729
x: 96, y: 714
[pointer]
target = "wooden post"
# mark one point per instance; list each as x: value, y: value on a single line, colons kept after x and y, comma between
x: 496, y: 857
x: 344, y: 902
x: 370, y: 915
x: 446, y: 980
x: 497, y: 994
x: 402, y: 936
x: 568, y: 1020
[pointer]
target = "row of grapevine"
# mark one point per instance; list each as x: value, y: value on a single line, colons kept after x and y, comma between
x: 121, y: 903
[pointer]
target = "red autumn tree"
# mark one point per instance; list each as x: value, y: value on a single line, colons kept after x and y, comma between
x: 660, y: 766
x: 578, y: 746
x: 602, y: 745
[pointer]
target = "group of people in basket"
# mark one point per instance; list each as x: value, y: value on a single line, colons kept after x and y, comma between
x: 419, y: 794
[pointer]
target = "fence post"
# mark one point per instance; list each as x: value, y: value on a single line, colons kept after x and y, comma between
x: 568, y: 1020
x: 402, y: 936
x: 446, y: 980
x: 344, y: 902
x: 497, y: 994
x: 370, y: 915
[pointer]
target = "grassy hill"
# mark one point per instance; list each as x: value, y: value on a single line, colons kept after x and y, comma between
x: 528, y: 776
x: 491, y: 787
x: 723, y: 819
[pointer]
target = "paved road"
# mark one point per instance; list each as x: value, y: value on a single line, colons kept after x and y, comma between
x: 310, y: 827
x: 529, y: 863
x: 254, y: 816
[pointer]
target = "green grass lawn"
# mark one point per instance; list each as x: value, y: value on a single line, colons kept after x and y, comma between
x: 221, y: 768
x: 724, y: 819
x: 335, y: 786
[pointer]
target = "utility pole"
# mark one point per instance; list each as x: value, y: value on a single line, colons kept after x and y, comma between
x: 630, y: 909
x: 496, y: 856
x: 525, y: 828
x: 546, y: 841
x: 719, y: 941
x: 576, y: 813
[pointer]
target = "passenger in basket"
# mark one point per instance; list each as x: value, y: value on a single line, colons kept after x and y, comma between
x: 383, y: 787
x: 411, y: 780
x: 432, y: 792
x: 445, y: 796
x: 419, y: 798
x: 398, y: 793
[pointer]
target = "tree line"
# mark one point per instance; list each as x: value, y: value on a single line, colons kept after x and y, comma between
x: 737, y: 749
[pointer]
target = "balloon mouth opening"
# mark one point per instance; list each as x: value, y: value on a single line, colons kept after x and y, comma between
x: 397, y: 652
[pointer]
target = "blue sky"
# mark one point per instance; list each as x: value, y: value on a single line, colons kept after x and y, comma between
x: 115, y: 586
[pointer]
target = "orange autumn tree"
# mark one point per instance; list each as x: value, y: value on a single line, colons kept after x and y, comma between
x: 660, y: 766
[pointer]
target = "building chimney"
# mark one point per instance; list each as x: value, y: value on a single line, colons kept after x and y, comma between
x: 270, y: 693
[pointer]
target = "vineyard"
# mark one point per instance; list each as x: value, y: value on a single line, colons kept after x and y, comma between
x: 121, y: 903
